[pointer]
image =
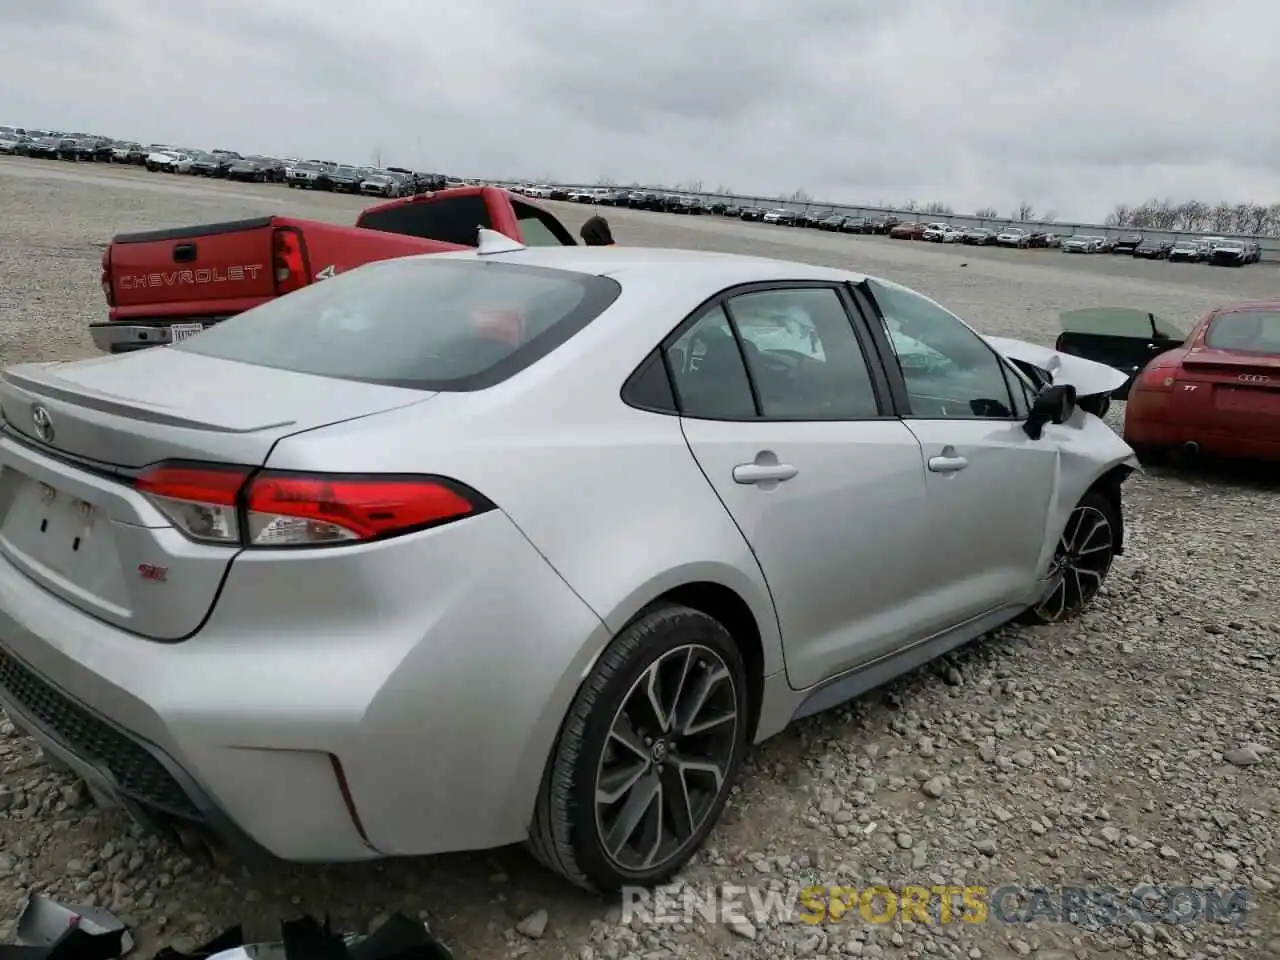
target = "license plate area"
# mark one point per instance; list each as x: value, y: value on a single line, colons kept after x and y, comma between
x: 1247, y: 400
x: 50, y: 527
x: 184, y: 331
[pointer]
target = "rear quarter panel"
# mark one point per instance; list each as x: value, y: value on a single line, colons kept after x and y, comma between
x: 610, y: 495
x: 335, y: 249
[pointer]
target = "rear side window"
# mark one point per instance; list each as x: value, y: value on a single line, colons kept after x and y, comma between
x: 433, y: 324
x: 448, y: 219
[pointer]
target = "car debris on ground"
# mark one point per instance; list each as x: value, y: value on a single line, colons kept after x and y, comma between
x: 49, y: 930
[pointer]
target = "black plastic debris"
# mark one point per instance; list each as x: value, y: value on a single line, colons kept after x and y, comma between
x: 48, y: 930
x: 227, y: 940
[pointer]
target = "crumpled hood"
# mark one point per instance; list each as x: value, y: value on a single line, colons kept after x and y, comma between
x: 1088, y: 377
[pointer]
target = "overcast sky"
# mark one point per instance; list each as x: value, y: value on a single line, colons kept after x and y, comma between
x: 1072, y: 106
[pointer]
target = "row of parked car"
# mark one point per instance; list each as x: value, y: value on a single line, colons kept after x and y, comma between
x: 1220, y: 251
x: 1216, y: 250
x: 224, y: 164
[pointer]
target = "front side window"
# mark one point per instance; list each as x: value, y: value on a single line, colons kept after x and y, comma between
x: 430, y: 324
x: 950, y: 372
x: 803, y: 355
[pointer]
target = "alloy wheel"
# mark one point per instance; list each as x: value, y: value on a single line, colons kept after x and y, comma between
x: 1080, y: 563
x: 667, y: 758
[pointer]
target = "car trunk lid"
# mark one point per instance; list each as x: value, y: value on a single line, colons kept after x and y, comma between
x: 75, y: 436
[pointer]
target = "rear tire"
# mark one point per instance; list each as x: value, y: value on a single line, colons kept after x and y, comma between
x: 1081, y: 562
x: 647, y: 754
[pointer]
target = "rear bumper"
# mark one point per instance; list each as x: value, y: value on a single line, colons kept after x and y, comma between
x: 118, y: 337
x: 121, y: 769
x: 440, y: 706
x: 1209, y: 442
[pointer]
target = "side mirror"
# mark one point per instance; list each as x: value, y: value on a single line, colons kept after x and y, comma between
x: 1054, y: 404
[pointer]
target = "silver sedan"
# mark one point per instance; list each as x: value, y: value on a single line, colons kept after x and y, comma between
x: 455, y: 551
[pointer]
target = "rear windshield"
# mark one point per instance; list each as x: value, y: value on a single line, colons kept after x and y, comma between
x: 1250, y: 331
x: 431, y: 324
x: 454, y: 219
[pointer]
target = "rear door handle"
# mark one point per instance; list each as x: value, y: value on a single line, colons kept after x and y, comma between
x: 763, y: 472
x: 947, y: 464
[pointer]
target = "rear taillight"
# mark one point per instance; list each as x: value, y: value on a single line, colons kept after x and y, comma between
x: 289, y: 259
x: 237, y: 506
x: 104, y: 278
x: 1155, y: 378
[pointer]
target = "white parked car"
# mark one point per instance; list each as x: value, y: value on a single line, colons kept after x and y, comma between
x: 935, y: 231
x: 165, y: 161
x: 310, y: 604
x: 953, y: 235
x: 1013, y: 237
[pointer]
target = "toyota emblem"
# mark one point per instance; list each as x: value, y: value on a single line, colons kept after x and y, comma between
x: 42, y: 422
x: 1254, y: 378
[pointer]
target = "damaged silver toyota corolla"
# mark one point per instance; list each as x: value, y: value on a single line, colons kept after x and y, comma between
x: 512, y: 544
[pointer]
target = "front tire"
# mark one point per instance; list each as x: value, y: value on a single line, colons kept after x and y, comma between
x: 1081, y: 562
x: 647, y: 755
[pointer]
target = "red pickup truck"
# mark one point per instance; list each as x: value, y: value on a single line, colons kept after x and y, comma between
x: 164, y: 286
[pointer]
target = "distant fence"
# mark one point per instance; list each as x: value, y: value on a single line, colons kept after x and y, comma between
x: 1270, y: 246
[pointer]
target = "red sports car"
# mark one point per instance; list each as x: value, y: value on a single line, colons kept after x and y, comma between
x: 1215, y: 391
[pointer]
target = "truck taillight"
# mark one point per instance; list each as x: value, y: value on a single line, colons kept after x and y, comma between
x: 105, y: 278
x: 238, y: 506
x: 289, y: 260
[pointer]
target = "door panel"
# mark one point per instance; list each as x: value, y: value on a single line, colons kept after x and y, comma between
x: 838, y: 523
x: 988, y: 519
x: 990, y: 486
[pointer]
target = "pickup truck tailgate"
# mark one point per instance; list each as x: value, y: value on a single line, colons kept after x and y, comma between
x: 214, y: 262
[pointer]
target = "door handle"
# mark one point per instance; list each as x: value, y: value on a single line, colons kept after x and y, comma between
x: 947, y: 464
x: 763, y: 472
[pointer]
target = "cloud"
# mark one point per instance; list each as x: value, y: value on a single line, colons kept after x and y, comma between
x: 1070, y: 106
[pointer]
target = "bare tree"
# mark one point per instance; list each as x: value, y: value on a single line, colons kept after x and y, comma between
x: 936, y: 208
x: 909, y: 206
x: 724, y: 191
x: 1220, y: 217
x: 1191, y: 215
x: 1050, y: 216
x: 798, y: 196
x: 1120, y: 216
x: 987, y: 213
x: 377, y: 157
x: 605, y: 181
x: 690, y: 186
x: 1247, y: 218
x: 1024, y: 212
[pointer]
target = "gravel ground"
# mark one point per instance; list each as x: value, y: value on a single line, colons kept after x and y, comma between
x: 1132, y: 748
